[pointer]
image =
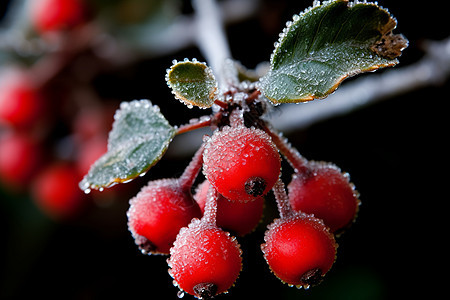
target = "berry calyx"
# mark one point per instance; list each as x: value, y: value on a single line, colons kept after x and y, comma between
x: 323, y: 190
x: 241, y: 163
x: 205, y: 260
x: 240, y: 218
x: 57, y: 15
x: 299, y: 249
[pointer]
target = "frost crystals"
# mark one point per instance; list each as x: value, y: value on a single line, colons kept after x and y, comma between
x: 193, y: 83
x: 138, y: 139
x: 327, y: 43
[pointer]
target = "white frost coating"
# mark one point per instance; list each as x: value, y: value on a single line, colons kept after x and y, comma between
x: 292, y: 25
x: 231, y: 148
x: 178, y: 91
x: 196, y: 247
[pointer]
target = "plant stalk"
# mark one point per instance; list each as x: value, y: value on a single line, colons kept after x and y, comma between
x: 283, y: 205
x: 295, y: 159
x: 189, y: 175
x: 211, y: 38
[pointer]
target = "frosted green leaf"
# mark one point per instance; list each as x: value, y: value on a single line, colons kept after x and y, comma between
x: 326, y: 44
x: 192, y: 83
x: 139, y: 138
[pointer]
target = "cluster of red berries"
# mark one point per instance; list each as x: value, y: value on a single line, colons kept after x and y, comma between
x: 241, y: 164
x: 44, y: 146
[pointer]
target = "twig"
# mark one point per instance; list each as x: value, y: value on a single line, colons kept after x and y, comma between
x: 180, y: 34
x: 211, y: 37
x: 194, y: 125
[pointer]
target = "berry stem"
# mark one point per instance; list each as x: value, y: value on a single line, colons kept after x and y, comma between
x: 220, y: 103
x: 295, y: 159
x: 210, y: 215
x: 253, y: 96
x: 195, y: 125
x: 283, y: 205
x: 189, y: 175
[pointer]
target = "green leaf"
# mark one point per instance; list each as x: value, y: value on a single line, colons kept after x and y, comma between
x: 139, y: 138
x: 192, y: 83
x: 326, y: 44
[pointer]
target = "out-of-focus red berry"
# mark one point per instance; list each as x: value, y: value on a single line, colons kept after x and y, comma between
x: 55, y: 191
x: 57, y: 15
x: 20, y: 158
x: 21, y: 102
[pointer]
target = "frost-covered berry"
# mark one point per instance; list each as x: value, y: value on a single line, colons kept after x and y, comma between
x: 323, y: 190
x: 162, y: 208
x: 299, y: 249
x: 158, y: 212
x: 241, y: 163
x: 235, y: 216
x: 204, y: 261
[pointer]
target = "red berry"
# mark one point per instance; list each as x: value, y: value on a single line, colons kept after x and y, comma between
x: 158, y: 212
x: 323, y: 190
x: 238, y: 217
x: 21, y: 103
x: 56, y: 192
x: 299, y: 249
x: 20, y: 159
x: 241, y: 163
x: 56, y: 15
x: 205, y: 260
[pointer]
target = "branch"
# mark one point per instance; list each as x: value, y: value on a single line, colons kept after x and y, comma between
x: 432, y: 69
x: 180, y: 34
x: 211, y: 37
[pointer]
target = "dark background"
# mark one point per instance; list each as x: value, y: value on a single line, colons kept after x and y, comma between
x: 395, y: 151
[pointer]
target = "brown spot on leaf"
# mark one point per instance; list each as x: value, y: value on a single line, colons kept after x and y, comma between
x: 390, y: 46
